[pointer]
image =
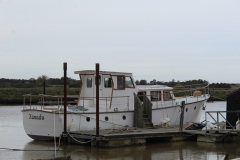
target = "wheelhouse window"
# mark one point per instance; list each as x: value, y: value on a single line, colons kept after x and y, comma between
x: 120, y: 82
x: 167, y: 96
x: 89, y: 82
x: 128, y: 82
x: 155, y: 95
x: 108, y: 82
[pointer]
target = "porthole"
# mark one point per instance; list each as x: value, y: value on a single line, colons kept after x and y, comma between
x: 186, y: 109
x: 88, y: 119
x: 106, y: 118
x: 195, y: 108
x: 124, y: 117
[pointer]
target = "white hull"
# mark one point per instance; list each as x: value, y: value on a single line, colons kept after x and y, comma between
x: 41, y: 127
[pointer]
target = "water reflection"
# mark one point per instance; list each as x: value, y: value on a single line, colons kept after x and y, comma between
x: 153, y: 151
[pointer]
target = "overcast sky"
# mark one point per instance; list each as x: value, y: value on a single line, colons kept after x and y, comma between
x: 153, y: 39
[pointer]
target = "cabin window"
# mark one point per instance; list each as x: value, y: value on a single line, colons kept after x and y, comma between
x: 120, y: 82
x: 167, y: 96
x: 108, y: 82
x: 99, y: 79
x: 89, y: 82
x: 155, y: 95
x: 129, y: 82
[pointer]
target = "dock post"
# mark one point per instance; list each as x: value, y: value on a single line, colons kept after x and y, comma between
x: 65, y: 102
x: 44, y: 87
x: 182, y: 116
x: 97, y: 103
x: 226, y: 157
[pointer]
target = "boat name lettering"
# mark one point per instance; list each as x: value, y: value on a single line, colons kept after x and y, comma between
x: 40, y: 117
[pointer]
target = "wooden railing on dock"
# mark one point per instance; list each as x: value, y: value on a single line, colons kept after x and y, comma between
x: 142, y: 112
x: 138, y: 110
x: 147, y: 106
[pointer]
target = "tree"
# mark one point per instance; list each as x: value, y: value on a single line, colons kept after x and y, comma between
x: 143, y: 82
x: 137, y: 82
x: 41, y: 79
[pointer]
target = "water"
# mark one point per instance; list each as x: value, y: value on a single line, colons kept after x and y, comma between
x: 15, y: 144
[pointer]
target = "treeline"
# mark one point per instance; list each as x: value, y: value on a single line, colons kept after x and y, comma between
x: 39, y: 82
x: 72, y: 83
x: 180, y: 84
x: 220, y: 85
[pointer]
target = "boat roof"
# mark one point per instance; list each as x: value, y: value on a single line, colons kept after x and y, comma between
x: 153, y: 87
x: 101, y: 72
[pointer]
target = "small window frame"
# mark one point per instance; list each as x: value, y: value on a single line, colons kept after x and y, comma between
x: 157, y: 94
x: 89, y: 82
x: 108, y: 82
x: 121, y: 82
x: 167, y: 96
x: 128, y: 78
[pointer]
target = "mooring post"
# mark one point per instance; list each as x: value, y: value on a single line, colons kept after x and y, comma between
x: 65, y: 102
x: 97, y: 103
x: 182, y: 116
x: 44, y: 87
x: 44, y: 92
x: 226, y: 157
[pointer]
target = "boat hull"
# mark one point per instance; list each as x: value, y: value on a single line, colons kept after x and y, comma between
x: 40, y: 125
x: 45, y: 125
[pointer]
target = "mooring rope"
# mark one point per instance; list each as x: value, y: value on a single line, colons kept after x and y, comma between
x: 78, y: 140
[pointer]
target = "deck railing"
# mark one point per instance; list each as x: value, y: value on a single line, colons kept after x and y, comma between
x: 219, y: 119
x: 57, y: 101
x: 158, y: 103
x: 188, y: 90
x: 161, y: 103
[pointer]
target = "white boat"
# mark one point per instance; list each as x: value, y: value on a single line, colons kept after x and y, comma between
x: 117, y: 98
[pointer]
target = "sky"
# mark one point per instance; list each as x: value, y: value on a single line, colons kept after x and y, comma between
x: 153, y: 39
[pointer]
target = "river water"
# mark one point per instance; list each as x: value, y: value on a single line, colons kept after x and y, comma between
x: 15, y: 144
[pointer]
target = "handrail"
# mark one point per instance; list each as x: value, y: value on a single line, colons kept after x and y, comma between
x: 71, y: 96
x: 216, y: 119
x: 59, y: 100
x: 184, y: 90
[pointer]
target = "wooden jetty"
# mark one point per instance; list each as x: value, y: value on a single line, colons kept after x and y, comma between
x: 125, y: 137
x: 138, y: 136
